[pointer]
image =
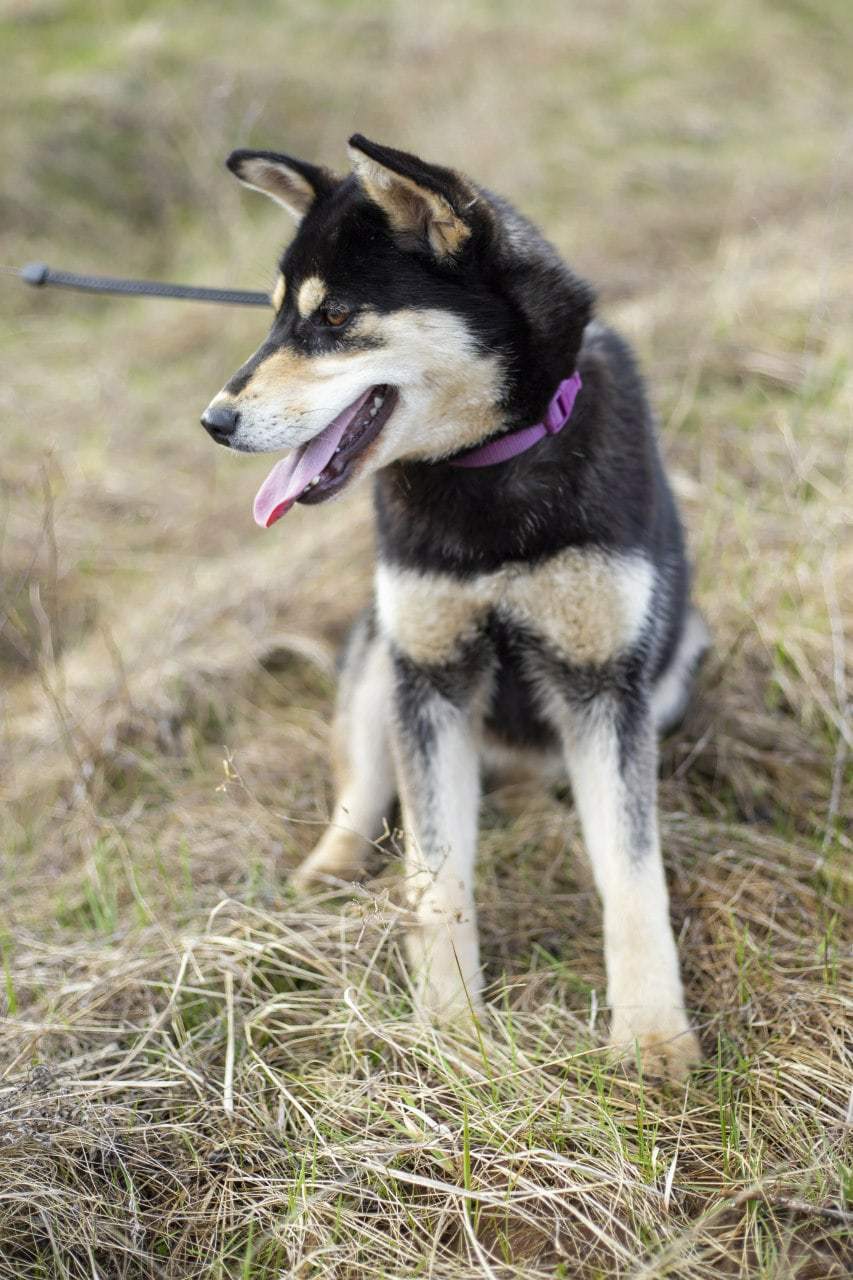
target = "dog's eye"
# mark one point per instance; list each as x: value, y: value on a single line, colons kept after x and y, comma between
x: 336, y: 315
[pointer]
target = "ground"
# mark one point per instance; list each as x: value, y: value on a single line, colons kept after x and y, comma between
x: 201, y: 1076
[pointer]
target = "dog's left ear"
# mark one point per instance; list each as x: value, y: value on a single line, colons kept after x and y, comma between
x: 422, y: 201
x: 294, y: 184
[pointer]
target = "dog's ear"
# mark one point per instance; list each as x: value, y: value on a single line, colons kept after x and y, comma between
x: 424, y: 203
x: 291, y: 183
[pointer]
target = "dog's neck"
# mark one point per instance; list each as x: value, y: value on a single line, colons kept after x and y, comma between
x: 510, y: 444
x: 463, y: 520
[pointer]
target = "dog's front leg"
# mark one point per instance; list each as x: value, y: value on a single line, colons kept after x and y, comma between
x: 361, y: 758
x: 438, y: 775
x: 611, y: 753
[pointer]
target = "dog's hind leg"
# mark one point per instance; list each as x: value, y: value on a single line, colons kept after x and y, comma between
x: 612, y: 761
x: 671, y: 690
x: 362, y: 763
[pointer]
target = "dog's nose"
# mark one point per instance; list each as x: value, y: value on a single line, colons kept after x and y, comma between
x: 220, y: 422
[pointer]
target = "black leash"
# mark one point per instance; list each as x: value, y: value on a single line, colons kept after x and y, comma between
x: 38, y: 274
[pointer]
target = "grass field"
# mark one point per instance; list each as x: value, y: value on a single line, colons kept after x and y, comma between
x: 201, y: 1076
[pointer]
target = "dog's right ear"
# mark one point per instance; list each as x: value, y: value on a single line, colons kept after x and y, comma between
x: 291, y: 183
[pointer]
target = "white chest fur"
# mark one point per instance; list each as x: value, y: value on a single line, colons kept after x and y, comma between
x: 587, y: 604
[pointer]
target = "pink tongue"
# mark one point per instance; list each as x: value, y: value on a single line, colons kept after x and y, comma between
x: 289, y: 478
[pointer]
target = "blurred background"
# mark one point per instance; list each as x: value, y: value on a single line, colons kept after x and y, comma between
x: 167, y: 669
x: 693, y: 160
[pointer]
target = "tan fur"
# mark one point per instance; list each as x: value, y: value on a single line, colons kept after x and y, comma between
x: 589, y: 605
x: 448, y: 389
x: 276, y: 375
x: 411, y: 207
x: 277, y: 296
x: 586, y: 604
x: 428, y: 616
x: 310, y: 296
x: 366, y: 324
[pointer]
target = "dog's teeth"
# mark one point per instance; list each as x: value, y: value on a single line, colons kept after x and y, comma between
x: 377, y: 400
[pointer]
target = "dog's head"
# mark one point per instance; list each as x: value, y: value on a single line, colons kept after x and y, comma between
x: 415, y: 316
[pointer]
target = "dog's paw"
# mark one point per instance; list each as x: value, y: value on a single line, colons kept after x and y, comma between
x: 448, y: 1005
x: 441, y: 994
x: 667, y: 1049
x: 339, y: 854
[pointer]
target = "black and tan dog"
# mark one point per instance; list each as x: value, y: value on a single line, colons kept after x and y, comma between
x: 531, y: 587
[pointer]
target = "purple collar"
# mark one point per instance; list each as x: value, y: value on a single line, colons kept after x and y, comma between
x: 509, y: 446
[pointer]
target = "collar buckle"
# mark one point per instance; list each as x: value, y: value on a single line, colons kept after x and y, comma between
x: 560, y: 409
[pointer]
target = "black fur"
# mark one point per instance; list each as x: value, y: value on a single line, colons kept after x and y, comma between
x: 409, y: 235
x: 513, y: 716
x: 531, y: 310
x: 600, y: 483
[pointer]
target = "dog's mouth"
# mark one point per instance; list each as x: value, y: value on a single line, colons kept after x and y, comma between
x: 319, y: 469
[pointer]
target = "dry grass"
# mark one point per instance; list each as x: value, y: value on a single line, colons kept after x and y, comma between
x: 199, y: 1076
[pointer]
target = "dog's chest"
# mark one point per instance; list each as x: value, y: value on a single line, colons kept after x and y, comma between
x: 587, y: 605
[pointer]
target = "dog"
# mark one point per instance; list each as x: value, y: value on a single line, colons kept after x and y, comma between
x: 531, y: 592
